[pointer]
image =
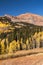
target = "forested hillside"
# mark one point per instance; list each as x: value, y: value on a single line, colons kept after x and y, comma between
x: 16, y: 36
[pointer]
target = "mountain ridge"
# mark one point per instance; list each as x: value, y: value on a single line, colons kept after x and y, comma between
x: 28, y: 18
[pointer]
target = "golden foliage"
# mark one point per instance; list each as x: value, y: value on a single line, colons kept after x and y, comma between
x: 12, y: 46
x: 31, y: 42
x: 2, y: 46
x: 3, y: 24
x: 18, y: 45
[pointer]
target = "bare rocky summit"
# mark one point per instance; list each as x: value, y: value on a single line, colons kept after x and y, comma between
x: 28, y: 18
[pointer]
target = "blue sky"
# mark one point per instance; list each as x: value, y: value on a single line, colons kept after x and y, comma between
x: 16, y: 7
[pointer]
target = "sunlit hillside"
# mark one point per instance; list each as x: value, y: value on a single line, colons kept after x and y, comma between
x: 3, y: 24
x: 15, y: 36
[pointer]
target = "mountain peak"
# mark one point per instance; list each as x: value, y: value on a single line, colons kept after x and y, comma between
x: 27, y: 18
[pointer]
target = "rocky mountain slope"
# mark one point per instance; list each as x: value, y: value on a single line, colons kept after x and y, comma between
x: 11, y: 22
x: 28, y: 18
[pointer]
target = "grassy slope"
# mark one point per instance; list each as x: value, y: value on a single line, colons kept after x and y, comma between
x: 21, y: 53
x: 36, y: 59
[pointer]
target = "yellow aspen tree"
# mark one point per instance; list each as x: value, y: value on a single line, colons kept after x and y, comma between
x: 12, y: 47
x: 18, y: 45
x: 38, y: 42
x: 2, y: 46
x: 27, y: 44
x: 7, y: 43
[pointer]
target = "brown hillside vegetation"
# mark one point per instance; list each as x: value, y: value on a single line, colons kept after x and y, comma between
x: 36, y: 59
